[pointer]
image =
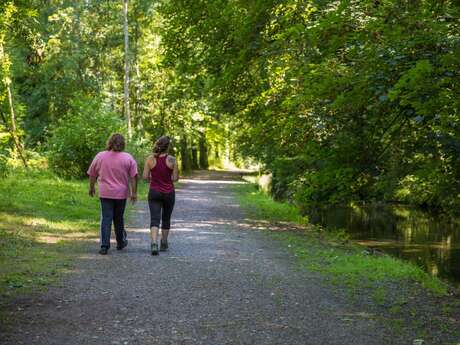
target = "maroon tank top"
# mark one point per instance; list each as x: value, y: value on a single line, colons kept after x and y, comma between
x: 161, y: 176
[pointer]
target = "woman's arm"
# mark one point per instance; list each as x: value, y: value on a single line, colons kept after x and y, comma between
x: 149, y: 163
x: 92, y: 188
x: 93, y: 172
x: 133, y: 185
x: 172, y: 163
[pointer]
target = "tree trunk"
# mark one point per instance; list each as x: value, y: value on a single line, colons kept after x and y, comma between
x: 204, y: 164
x: 137, y: 104
x: 137, y: 89
x: 126, y: 100
x: 184, y: 154
x: 16, y: 139
x: 195, y: 158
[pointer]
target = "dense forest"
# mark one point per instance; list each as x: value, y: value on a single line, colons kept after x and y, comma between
x: 342, y: 101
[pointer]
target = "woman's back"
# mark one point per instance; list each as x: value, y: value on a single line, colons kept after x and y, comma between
x: 161, y: 176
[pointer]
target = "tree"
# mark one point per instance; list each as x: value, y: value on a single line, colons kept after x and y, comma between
x: 6, y: 23
x: 340, y: 100
x: 126, y: 83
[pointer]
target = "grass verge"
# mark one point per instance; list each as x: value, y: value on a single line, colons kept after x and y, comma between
x: 401, y: 295
x: 43, y: 222
x: 330, y: 251
x: 260, y: 206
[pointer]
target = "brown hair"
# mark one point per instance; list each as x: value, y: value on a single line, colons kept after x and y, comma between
x: 116, y: 143
x: 161, y: 145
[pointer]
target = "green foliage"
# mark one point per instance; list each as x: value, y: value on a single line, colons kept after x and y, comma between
x: 54, y: 55
x: 329, y: 185
x: 71, y: 49
x: 4, y: 152
x: 340, y: 100
x: 78, y: 136
x: 285, y: 172
x: 3, y: 166
x: 140, y: 149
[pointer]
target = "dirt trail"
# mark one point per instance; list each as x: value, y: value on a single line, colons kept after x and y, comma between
x: 221, y: 282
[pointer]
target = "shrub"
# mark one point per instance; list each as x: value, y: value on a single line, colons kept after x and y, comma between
x: 328, y: 185
x: 3, y: 166
x: 285, y: 171
x: 140, y: 148
x: 79, y: 135
x: 431, y: 188
x: 4, y: 151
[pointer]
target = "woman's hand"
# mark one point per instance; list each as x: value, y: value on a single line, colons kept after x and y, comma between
x: 133, y: 198
x: 92, y: 188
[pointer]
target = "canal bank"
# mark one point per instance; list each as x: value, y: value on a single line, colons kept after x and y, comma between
x: 394, y: 292
x: 426, y: 239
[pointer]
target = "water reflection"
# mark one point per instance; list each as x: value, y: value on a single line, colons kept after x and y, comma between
x: 430, y: 241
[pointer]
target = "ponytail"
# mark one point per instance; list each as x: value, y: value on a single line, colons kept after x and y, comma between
x: 161, y: 145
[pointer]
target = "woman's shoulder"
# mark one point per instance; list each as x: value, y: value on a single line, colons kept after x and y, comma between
x: 126, y: 156
x: 150, y: 159
x: 171, y: 159
x: 101, y: 154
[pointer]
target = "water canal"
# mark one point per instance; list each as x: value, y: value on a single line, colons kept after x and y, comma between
x: 430, y: 241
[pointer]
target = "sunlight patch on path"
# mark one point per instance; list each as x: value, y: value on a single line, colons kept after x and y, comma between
x: 211, y: 181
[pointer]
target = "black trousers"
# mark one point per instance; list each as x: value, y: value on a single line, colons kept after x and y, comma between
x: 161, y: 206
x: 112, y: 210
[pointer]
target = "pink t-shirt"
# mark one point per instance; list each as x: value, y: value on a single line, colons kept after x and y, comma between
x: 113, y: 170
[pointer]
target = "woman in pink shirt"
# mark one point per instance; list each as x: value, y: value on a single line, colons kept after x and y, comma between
x: 162, y: 171
x: 115, y: 172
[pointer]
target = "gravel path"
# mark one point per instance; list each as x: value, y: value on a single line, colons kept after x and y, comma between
x: 221, y: 282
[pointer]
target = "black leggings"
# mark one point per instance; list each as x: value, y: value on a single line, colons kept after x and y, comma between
x: 161, y: 206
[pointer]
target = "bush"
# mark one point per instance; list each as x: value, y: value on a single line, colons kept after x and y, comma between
x: 329, y: 185
x: 285, y: 171
x: 4, y: 151
x: 429, y: 187
x: 79, y: 135
x: 140, y: 148
x: 310, y: 180
x: 3, y: 165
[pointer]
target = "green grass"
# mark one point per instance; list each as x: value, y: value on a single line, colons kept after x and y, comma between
x: 330, y: 252
x: 44, y: 221
x: 399, y: 295
x: 260, y: 206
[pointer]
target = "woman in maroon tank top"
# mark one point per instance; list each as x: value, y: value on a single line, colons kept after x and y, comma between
x: 162, y: 171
